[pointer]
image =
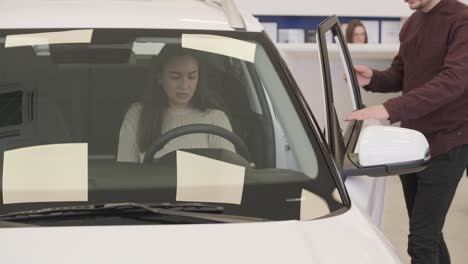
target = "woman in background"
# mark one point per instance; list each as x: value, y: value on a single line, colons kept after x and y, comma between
x: 356, y: 32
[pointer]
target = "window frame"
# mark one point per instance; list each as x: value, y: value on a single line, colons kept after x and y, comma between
x: 339, y: 144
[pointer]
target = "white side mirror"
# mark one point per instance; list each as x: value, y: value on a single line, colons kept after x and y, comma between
x: 385, y: 145
x: 384, y: 150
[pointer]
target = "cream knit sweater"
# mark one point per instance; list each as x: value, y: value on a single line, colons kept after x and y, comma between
x: 129, y: 150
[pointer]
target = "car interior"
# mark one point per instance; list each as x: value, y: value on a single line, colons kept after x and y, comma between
x: 78, y: 93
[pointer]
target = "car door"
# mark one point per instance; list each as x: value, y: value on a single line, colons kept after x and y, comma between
x: 342, y: 96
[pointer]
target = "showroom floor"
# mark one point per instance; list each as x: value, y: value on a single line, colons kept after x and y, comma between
x: 456, y: 225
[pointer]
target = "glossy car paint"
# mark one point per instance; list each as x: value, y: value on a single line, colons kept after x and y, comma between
x: 173, y: 14
x: 375, y: 150
x: 346, y: 238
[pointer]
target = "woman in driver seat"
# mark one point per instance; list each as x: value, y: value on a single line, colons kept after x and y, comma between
x: 179, y: 98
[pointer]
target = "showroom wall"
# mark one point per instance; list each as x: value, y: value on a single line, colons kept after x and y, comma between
x: 382, y: 8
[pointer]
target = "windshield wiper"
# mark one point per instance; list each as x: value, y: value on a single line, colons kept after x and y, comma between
x: 184, y: 210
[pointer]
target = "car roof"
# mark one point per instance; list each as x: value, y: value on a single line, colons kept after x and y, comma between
x: 152, y: 14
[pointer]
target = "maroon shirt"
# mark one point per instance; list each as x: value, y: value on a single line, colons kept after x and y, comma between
x: 431, y: 68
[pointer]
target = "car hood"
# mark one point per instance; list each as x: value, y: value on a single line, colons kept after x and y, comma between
x: 346, y: 238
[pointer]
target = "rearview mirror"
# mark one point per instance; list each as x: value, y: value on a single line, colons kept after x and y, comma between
x: 384, y: 150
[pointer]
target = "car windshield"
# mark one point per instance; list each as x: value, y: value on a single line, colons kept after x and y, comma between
x: 155, y: 117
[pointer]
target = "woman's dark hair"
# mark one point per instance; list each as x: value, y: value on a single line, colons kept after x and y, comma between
x: 350, y: 30
x: 155, y: 100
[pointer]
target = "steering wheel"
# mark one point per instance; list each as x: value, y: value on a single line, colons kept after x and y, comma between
x: 160, y: 142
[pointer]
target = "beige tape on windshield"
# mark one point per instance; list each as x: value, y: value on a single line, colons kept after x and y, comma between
x: 201, y: 179
x: 312, y: 206
x: 68, y: 37
x: 235, y: 48
x: 47, y: 173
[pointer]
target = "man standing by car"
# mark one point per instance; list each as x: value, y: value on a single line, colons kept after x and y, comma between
x: 431, y: 69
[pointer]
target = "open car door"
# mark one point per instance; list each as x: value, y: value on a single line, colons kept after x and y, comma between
x: 341, y: 90
x: 376, y: 150
x: 360, y: 149
x: 342, y: 96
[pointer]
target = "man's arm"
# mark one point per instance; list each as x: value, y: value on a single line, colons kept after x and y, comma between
x: 446, y: 87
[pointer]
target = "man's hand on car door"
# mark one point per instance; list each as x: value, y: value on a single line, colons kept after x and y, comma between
x: 373, y: 112
x: 363, y: 74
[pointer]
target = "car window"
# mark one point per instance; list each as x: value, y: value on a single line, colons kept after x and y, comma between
x: 343, y: 96
x: 11, y: 111
x: 341, y: 88
x: 165, y: 116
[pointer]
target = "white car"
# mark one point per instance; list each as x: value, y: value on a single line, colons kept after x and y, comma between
x: 72, y: 72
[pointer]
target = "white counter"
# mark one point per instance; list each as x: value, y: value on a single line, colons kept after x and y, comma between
x: 358, y: 51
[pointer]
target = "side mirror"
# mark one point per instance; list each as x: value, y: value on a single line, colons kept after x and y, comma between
x: 385, y: 150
